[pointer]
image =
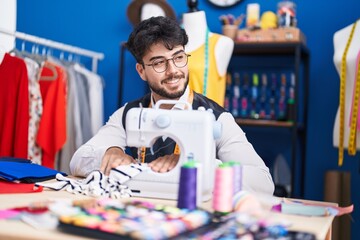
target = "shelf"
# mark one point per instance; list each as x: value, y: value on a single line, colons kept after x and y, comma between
x: 294, y: 56
x: 263, y: 123
x: 260, y: 48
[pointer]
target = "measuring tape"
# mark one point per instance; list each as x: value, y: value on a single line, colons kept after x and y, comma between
x: 342, y: 101
x: 354, y: 117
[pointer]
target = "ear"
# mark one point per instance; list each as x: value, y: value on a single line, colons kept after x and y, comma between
x: 141, y: 71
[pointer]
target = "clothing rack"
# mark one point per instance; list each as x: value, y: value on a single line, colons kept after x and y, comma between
x: 61, y: 46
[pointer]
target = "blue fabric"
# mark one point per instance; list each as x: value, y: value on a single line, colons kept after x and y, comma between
x: 26, y: 172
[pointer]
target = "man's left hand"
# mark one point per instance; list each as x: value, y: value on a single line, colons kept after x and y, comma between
x: 165, y: 163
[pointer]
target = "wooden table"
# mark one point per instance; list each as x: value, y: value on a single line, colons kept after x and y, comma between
x: 13, y: 229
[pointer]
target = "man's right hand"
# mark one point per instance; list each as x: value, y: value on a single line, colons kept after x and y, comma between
x: 114, y: 157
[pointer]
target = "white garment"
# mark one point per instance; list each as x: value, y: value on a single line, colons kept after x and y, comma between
x: 95, y: 97
x: 232, y: 146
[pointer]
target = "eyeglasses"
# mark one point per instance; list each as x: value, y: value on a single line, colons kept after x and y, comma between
x: 161, y: 64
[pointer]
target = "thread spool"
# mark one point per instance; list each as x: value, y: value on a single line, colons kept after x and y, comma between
x: 199, y: 183
x: 187, y: 187
x: 237, y: 176
x: 223, y: 189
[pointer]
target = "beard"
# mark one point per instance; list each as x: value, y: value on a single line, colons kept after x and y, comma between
x: 159, y: 90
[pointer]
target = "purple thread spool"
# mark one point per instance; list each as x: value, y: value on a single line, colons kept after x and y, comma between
x: 237, y: 177
x: 187, y: 186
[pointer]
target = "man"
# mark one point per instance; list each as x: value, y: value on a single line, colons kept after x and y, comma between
x: 158, y: 45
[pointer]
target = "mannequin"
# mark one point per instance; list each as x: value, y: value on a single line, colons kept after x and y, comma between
x: 341, y: 38
x: 196, y: 27
x: 151, y: 10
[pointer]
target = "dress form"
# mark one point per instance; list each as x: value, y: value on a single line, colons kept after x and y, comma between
x: 340, y: 40
x: 195, y: 26
x: 151, y: 10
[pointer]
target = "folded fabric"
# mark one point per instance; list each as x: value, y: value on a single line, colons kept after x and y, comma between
x: 11, y: 187
x: 311, y: 209
x: 26, y: 172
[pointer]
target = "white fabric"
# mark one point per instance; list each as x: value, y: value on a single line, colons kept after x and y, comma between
x: 231, y: 146
x: 95, y: 97
x: 97, y: 184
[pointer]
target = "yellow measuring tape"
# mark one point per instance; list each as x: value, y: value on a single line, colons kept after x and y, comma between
x: 354, y: 118
x: 342, y: 104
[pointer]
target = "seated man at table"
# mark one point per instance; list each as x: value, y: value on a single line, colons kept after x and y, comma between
x: 158, y: 45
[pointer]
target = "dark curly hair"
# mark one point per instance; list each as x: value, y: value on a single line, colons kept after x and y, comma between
x: 152, y: 31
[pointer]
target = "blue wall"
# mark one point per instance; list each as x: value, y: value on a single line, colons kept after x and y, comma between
x: 102, y: 25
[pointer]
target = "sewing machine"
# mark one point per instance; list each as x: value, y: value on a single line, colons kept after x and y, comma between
x: 193, y: 130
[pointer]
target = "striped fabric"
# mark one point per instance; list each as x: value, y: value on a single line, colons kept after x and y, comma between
x: 97, y: 184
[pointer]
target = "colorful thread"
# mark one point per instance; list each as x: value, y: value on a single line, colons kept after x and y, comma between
x: 237, y: 177
x: 223, y: 189
x: 187, y: 187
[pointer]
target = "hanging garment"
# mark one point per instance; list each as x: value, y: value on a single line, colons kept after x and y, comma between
x: 96, y: 102
x: 14, y: 107
x: 35, y: 109
x: 73, y: 126
x: 52, y: 130
x: 85, y: 115
x: 215, y: 82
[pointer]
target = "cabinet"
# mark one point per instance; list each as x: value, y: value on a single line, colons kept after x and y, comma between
x: 250, y: 62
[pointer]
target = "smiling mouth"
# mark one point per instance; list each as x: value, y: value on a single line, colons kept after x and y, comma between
x: 171, y: 81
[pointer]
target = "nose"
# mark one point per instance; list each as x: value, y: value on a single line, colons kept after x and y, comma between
x: 171, y: 66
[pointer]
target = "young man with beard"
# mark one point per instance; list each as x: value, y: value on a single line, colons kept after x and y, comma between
x: 158, y: 45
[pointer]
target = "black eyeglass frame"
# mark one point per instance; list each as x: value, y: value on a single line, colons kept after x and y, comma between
x: 167, y: 62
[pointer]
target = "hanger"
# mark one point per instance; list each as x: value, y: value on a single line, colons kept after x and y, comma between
x: 17, y: 52
x: 51, y: 67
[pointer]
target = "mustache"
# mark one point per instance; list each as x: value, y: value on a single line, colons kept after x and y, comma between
x: 173, y: 77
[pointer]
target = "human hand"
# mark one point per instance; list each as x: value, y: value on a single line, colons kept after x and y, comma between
x: 165, y: 163
x: 114, y: 157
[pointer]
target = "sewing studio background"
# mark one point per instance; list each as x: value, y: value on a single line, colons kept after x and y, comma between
x: 101, y: 26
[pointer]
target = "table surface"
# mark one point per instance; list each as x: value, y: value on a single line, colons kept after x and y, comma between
x: 14, y: 229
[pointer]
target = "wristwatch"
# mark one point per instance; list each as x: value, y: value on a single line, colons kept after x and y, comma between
x: 224, y: 3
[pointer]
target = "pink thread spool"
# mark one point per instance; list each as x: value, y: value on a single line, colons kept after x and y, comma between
x: 223, y: 189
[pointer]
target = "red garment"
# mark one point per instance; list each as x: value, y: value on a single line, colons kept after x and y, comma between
x: 14, y: 107
x: 52, y: 129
